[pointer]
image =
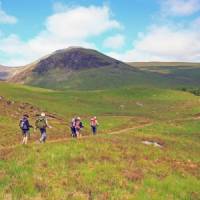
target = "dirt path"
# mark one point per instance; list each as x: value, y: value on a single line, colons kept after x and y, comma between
x: 83, y: 137
x: 110, y: 133
x: 187, y: 119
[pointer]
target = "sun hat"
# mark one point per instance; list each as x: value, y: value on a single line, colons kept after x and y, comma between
x: 43, y: 114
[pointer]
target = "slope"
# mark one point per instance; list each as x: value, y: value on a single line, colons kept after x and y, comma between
x: 79, y: 68
x: 188, y: 73
x: 8, y: 72
x: 117, y: 166
x: 59, y: 66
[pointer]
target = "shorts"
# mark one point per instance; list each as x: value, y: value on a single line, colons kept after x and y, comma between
x: 25, y: 133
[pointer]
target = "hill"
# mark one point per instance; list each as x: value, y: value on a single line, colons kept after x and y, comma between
x: 115, y: 164
x: 68, y: 67
x: 188, y: 73
x: 80, y: 68
x: 8, y: 72
x: 163, y: 64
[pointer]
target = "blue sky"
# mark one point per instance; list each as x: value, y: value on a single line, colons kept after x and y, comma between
x: 130, y: 30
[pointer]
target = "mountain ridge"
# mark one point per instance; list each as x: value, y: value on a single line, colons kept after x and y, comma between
x: 8, y: 72
x: 81, y: 68
x: 63, y: 63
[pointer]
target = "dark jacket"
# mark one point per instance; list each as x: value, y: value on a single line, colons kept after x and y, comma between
x: 26, y: 125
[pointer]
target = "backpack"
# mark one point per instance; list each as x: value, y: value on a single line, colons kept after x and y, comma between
x: 73, y: 123
x: 23, y: 124
x: 93, y: 122
x: 81, y: 125
x: 41, y: 123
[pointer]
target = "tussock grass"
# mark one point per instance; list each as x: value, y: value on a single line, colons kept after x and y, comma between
x: 105, y: 166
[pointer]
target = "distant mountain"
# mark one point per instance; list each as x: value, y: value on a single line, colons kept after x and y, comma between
x: 74, y: 68
x: 8, y: 72
x: 80, y: 68
x: 162, y: 65
x: 182, y: 73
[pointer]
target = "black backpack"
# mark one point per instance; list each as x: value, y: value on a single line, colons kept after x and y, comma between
x: 81, y: 125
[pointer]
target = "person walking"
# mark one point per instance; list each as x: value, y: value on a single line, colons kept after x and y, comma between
x: 94, y: 123
x: 78, y: 127
x: 72, y: 126
x: 42, y: 124
x: 25, y: 128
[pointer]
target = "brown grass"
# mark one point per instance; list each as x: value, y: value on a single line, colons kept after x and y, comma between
x: 134, y: 175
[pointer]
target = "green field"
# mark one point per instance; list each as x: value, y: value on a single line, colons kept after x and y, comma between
x: 115, y: 164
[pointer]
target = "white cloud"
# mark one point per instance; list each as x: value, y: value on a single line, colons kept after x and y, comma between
x: 71, y: 27
x: 179, y: 7
x: 165, y: 43
x: 114, y: 42
x: 81, y: 22
x: 170, y: 40
x: 5, y: 18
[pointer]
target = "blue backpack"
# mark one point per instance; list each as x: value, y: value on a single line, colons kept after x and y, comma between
x: 23, y: 124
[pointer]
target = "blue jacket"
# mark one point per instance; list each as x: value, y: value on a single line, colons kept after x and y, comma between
x: 26, y: 125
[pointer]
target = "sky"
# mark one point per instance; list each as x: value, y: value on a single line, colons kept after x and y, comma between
x: 128, y: 30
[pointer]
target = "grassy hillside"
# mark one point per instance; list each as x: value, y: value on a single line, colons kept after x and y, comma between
x: 187, y: 73
x: 88, y: 69
x: 112, y: 77
x: 121, y: 101
x: 163, y: 64
x: 110, y: 166
x: 59, y: 68
x: 105, y: 167
x: 93, y: 79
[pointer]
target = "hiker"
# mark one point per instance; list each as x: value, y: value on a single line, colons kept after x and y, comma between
x: 42, y: 124
x: 94, y: 123
x: 78, y: 127
x: 73, y: 129
x: 25, y: 127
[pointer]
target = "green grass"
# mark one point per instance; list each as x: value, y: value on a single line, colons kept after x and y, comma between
x: 93, y: 79
x: 104, y: 167
x: 111, y: 167
x: 132, y: 101
x: 181, y: 74
x: 112, y: 77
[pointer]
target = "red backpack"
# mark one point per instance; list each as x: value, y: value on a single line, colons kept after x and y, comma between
x: 93, y: 122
